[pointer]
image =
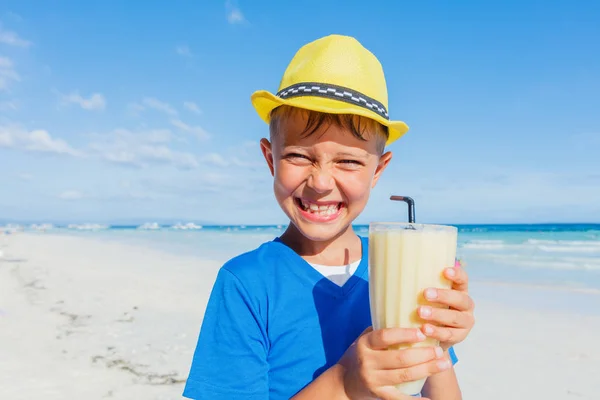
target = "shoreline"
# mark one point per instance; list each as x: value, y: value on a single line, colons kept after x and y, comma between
x: 172, y: 222
x: 171, y: 252
x: 82, y: 317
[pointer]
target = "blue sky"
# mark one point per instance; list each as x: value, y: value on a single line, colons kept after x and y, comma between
x: 114, y: 111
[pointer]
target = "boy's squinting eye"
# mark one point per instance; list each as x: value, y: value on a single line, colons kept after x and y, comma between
x: 295, y: 156
x: 352, y: 163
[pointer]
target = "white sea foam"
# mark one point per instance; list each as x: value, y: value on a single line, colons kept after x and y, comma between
x: 188, y: 226
x: 485, y: 245
x: 527, y: 260
x: 590, y: 265
x: 12, y: 228
x: 149, y: 226
x: 570, y: 249
x: 41, y: 227
x: 487, y: 241
x: 565, y: 246
x: 88, y: 227
x: 536, y: 245
x: 566, y: 255
x: 573, y: 243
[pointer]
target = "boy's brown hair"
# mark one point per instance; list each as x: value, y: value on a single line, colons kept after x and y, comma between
x: 358, y: 125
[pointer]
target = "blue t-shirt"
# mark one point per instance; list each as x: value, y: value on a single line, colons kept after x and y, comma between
x: 273, y: 324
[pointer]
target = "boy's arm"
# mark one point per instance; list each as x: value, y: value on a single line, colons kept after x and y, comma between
x: 368, y: 370
x: 442, y: 386
x: 329, y: 385
x: 230, y: 359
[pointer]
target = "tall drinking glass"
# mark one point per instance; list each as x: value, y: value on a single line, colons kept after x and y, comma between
x: 404, y: 260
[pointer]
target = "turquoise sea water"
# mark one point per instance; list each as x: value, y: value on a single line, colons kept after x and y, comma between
x: 565, y: 255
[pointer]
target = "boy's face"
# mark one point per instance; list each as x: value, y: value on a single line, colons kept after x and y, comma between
x: 322, y: 181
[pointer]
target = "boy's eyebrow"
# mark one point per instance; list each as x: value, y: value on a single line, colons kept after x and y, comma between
x: 347, y: 154
x: 361, y: 154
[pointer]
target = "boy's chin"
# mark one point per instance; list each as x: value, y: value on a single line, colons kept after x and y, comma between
x: 321, y: 232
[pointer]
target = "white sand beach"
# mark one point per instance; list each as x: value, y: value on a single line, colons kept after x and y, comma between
x: 82, y: 318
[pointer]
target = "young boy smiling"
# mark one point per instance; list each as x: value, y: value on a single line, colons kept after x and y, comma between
x: 291, y: 318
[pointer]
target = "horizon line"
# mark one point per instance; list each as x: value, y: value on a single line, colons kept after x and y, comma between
x: 4, y: 223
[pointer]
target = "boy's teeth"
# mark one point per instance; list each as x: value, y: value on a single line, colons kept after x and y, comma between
x: 323, y: 210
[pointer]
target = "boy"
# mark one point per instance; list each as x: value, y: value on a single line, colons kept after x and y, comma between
x: 291, y: 318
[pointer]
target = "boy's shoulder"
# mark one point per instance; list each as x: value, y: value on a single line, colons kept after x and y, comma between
x: 257, y: 260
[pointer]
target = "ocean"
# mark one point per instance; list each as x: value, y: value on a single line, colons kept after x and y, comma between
x: 546, y: 255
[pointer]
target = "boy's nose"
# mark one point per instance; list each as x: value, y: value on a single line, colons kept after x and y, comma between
x: 320, y: 181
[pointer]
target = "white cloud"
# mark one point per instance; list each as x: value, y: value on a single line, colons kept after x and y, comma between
x: 95, y: 102
x: 192, y: 187
x: 71, y: 195
x: 122, y: 135
x: 25, y: 176
x: 488, y: 196
x: 12, y: 39
x: 8, y: 73
x: 8, y: 106
x: 215, y: 159
x: 184, y: 51
x: 6, y: 138
x: 158, y: 136
x: 586, y: 139
x: 205, y: 186
x: 14, y: 16
x: 38, y: 140
x: 132, y: 190
x: 227, y: 161
x: 193, y: 107
x: 141, y: 149
x: 135, y: 108
x: 5, y: 62
x: 158, y: 105
x: 161, y: 153
x: 234, y: 14
x: 197, y: 131
x: 245, y: 164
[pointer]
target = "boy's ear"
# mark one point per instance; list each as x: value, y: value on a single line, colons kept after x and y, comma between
x: 267, y: 151
x: 384, y: 160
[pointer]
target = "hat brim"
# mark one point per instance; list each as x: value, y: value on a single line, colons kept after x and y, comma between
x: 264, y: 102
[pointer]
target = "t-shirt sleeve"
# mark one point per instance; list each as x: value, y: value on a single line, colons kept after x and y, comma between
x: 230, y: 360
x: 452, y: 355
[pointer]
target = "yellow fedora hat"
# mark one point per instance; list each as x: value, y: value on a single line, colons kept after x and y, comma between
x: 334, y: 74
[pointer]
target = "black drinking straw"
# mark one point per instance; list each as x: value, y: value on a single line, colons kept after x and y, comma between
x: 411, y: 206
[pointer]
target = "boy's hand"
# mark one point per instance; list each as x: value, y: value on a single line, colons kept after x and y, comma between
x: 371, y: 370
x: 454, y: 323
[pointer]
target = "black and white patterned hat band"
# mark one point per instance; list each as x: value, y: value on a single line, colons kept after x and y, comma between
x: 333, y: 92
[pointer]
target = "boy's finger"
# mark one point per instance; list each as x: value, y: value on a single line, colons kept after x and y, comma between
x: 396, y: 376
x: 459, y: 278
x: 394, y: 359
x: 449, y: 297
x: 445, y: 317
x: 383, y: 338
x: 443, y: 334
x: 391, y: 393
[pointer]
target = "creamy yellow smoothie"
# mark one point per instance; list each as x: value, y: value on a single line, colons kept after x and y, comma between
x: 404, y: 260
